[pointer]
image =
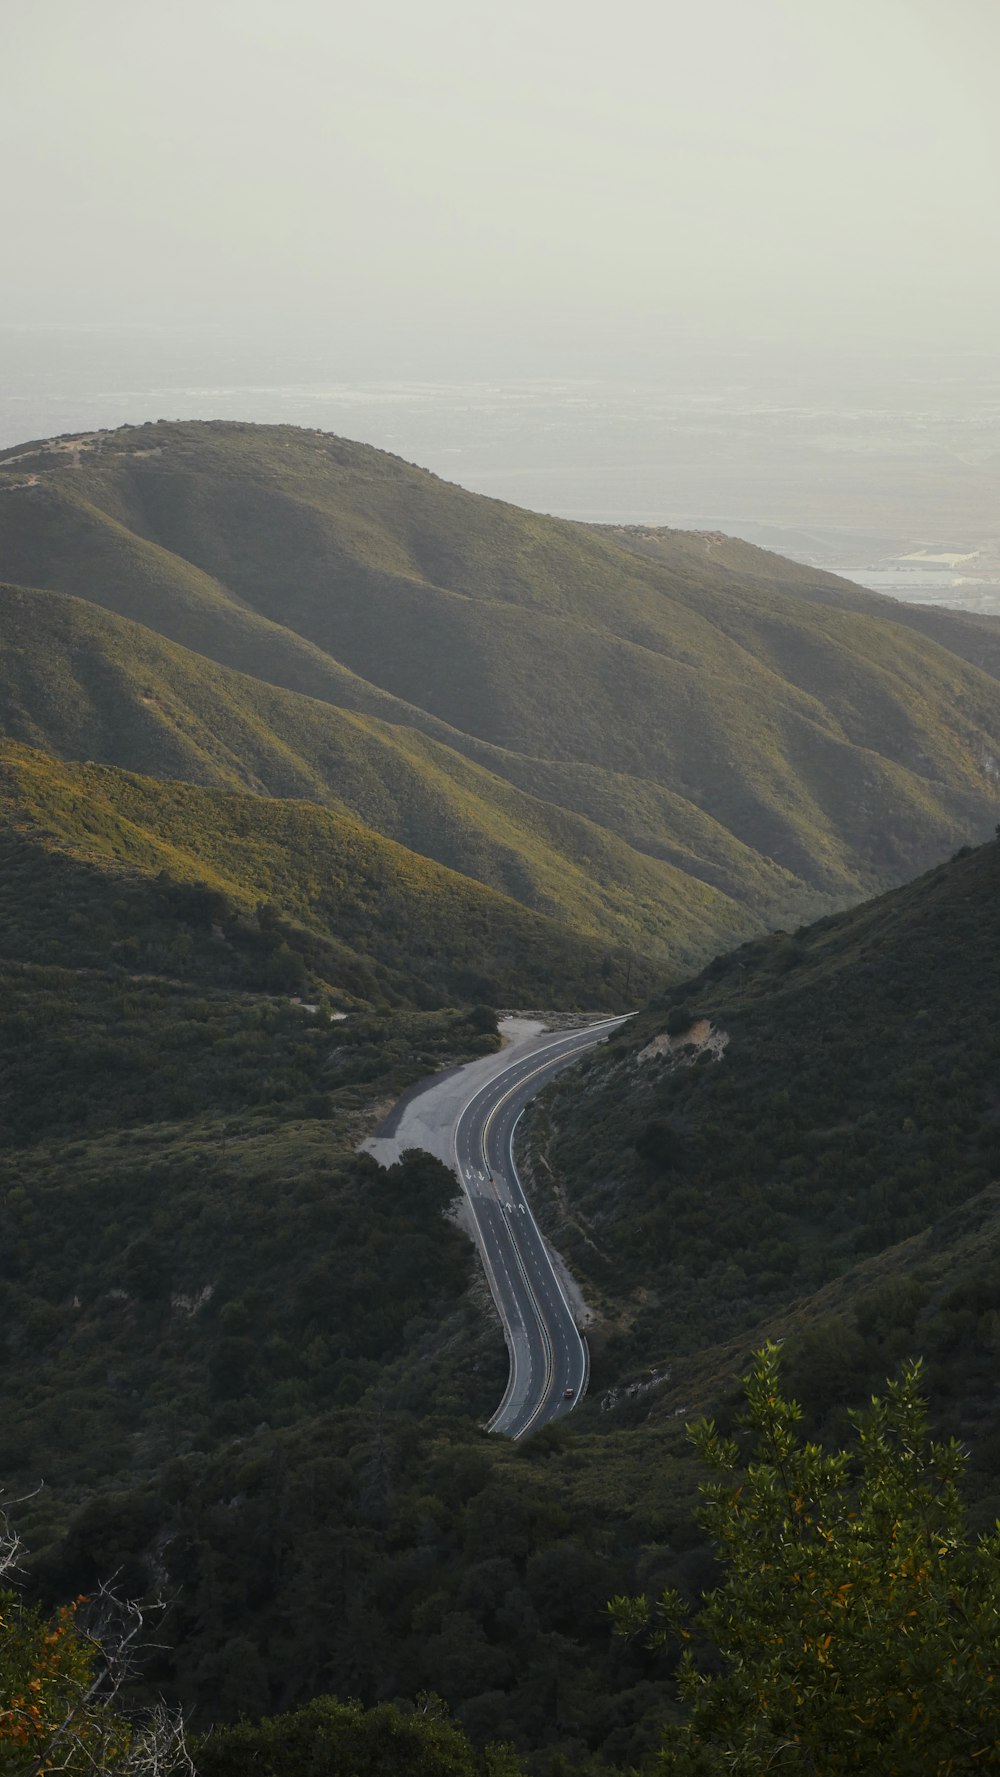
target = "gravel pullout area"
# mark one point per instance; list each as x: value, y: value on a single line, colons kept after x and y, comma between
x: 426, y: 1116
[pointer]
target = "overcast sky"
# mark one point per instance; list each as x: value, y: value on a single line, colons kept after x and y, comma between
x: 525, y: 183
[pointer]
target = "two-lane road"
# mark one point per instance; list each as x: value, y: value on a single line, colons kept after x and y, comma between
x: 548, y: 1355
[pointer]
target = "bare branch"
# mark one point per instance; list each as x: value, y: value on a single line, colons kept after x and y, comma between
x: 10, y: 1542
x: 158, y: 1746
x: 91, y: 1736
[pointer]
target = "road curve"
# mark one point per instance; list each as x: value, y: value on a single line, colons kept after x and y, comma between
x: 549, y: 1365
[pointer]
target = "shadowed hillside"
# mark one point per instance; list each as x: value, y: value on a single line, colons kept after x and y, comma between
x: 809, y: 1102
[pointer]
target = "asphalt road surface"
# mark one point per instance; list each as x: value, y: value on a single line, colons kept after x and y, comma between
x: 549, y: 1364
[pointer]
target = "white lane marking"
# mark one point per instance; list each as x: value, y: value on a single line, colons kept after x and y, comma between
x: 583, y: 1353
x: 546, y: 1263
x: 498, y: 1085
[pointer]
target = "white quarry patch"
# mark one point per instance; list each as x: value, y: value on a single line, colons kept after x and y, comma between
x: 633, y: 1391
x: 309, y: 1006
x: 190, y: 1304
x: 700, y: 1038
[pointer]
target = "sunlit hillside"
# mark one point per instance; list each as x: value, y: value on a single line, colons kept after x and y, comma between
x: 760, y: 729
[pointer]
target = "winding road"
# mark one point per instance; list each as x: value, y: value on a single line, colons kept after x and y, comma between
x: 549, y: 1365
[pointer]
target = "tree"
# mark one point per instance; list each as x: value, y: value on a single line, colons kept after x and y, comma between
x: 60, y: 1679
x: 660, y: 1146
x: 327, y: 1738
x: 857, y: 1626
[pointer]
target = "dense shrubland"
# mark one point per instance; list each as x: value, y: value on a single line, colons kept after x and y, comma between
x: 850, y: 1624
x: 99, y: 868
x: 856, y: 1623
x: 296, y: 1456
x: 854, y: 1105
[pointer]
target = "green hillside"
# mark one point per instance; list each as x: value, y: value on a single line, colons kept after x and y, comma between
x: 363, y: 916
x: 971, y: 636
x: 79, y: 682
x: 197, y: 1269
x: 705, y: 707
x: 252, y: 1368
x: 848, y: 1107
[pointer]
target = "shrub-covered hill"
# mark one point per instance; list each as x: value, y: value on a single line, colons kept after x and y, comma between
x: 81, y: 682
x: 932, y: 1295
x: 812, y: 1099
x: 249, y: 1366
x: 224, y: 1334
x: 971, y: 636
x: 252, y: 1369
x: 836, y: 744
x: 101, y: 866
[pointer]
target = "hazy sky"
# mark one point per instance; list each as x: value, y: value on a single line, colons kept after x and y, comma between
x: 519, y: 184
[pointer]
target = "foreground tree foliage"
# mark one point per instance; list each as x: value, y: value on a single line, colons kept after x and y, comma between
x: 61, y: 1679
x: 857, y: 1625
x: 332, y: 1739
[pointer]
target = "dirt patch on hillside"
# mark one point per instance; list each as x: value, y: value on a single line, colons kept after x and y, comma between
x: 702, y: 1037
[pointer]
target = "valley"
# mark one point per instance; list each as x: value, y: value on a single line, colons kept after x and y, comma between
x: 312, y: 767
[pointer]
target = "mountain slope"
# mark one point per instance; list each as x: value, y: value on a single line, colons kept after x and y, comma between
x: 846, y: 1104
x: 76, y: 681
x: 673, y: 688
x: 239, y: 1352
x: 370, y: 919
x: 968, y: 634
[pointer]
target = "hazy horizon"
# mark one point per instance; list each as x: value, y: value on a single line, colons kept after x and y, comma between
x: 855, y: 472
x: 732, y: 267
x: 453, y: 191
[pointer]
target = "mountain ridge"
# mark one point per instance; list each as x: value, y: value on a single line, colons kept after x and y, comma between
x: 723, y: 726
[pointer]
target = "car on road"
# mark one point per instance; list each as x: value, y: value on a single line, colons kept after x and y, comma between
x: 568, y: 1393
